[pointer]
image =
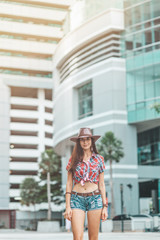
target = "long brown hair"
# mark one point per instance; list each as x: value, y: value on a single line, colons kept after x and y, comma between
x: 77, y: 154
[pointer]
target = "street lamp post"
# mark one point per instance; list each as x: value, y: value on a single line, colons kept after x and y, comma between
x: 122, y: 223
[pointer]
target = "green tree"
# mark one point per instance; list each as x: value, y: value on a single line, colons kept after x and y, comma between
x: 29, y: 192
x: 156, y: 106
x: 111, y: 149
x: 50, y: 170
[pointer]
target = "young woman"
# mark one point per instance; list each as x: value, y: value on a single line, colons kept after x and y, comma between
x: 85, y: 189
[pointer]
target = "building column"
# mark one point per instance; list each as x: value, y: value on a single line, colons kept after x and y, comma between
x: 4, y: 144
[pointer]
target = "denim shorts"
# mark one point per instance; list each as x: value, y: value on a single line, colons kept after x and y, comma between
x: 86, y: 203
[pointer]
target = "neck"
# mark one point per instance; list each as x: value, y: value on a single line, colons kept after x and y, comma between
x: 87, y: 153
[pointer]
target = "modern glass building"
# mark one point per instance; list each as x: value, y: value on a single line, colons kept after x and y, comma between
x: 142, y: 52
x: 141, y: 48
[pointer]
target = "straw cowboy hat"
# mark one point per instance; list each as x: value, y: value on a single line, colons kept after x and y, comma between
x: 85, y: 132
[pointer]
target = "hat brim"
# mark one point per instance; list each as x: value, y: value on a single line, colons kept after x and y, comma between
x: 95, y: 137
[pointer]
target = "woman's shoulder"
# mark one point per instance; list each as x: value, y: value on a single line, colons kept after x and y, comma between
x: 98, y: 156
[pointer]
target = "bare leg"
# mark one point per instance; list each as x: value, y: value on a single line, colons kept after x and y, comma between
x: 78, y: 217
x: 94, y: 217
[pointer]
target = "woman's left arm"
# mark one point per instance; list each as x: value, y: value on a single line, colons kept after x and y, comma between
x: 103, y: 194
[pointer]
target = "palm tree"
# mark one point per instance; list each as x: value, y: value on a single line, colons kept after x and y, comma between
x: 29, y: 193
x: 111, y: 149
x: 49, y: 168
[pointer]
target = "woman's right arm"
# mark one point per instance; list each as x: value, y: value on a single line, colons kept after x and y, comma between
x: 68, y: 212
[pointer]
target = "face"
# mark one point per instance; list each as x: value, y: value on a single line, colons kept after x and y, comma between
x: 86, y: 143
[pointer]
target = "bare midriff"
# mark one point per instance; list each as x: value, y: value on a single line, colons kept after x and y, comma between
x: 88, y: 187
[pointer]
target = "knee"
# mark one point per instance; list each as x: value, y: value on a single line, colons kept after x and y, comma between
x: 93, y: 237
x: 78, y: 237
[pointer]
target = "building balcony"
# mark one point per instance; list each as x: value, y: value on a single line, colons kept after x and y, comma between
x: 19, y: 179
x: 23, y: 166
x: 25, y: 29
x: 24, y: 114
x: 24, y: 101
x: 24, y: 139
x: 27, y: 13
x: 26, y: 46
x: 11, y: 62
x: 24, y: 153
x: 24, y: 127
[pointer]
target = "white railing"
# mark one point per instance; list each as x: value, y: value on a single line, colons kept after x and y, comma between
x: 24, y: 153
x: 26, y: 63
x: 24, y: 114
x: 24, y: 127
x: 24, y: 139
x: 29, y: 166
x: 31, y: 12
x: 31, y: 29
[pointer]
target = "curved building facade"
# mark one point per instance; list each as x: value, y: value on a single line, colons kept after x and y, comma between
x: 90, y: 91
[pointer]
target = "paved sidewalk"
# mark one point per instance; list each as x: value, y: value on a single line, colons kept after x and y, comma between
x: 68, y: 236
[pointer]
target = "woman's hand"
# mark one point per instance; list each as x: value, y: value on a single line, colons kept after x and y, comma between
x: 68, y: 213
x: 104, y: 214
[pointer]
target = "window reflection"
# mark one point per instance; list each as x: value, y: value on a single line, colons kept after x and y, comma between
x: 85, y: 100
x: 148, y: 37
x: 149, y: 147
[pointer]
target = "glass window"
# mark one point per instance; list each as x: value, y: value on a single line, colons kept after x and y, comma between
x: 148, y: 37
x: 157, y: 88
x: 85, y: 100
x: 149, y: 90
x: 140, y: 92
x: 131, y: 95
x: 147, y: 25
x: 130, y: 63
x: 132, y: 116
x: 140, y: 105
x: 156, y: 8
x: 139, y: 85
x: 129, y: 42
x: 130, y: 79
x: 157, y: 34
x: 149, y: 147
x: 156, y: 55
x: 139, y: 76
x: 146, y: 11
x: 157, y: 21
x: 148, y: 58
x: 131, y: 107
x: 138, y: 40
x: 137, y: 14
x: 157, y: 71
x: 140, y: 114
x: 128, y: 18
x: 150, y: 112
x: 139, y: 59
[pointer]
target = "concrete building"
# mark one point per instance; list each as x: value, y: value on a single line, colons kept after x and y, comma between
x: 29, y: 33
